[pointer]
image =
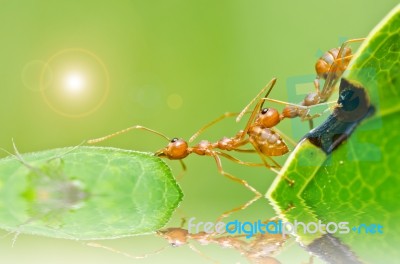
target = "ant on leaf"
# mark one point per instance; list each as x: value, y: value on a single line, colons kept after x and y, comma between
x: 329, y: 67
x: 258, y: 132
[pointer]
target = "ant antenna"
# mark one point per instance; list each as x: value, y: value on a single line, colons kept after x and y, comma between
x: 92, y: 141
x: 201, y: 130
x: 68, y: 151
x: 270, y: 85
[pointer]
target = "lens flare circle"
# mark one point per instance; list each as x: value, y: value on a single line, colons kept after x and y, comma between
x: 79, y: 82
x: 31, y: 73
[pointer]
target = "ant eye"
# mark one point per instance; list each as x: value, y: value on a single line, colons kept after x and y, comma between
x: 264, y: 111
x: 174, y: 140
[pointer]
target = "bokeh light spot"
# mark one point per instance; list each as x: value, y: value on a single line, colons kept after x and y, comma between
x: 174, y: 101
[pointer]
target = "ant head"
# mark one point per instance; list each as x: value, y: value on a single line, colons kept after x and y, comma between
x: 177, y: 149
x: 176, y: 236
x: 268, y: 117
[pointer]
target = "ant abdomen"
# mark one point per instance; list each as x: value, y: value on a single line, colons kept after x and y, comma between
x: 324, y: 63
x: 268, y: 141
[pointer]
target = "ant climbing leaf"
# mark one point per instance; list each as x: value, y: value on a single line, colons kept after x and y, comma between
x: 354, y: 177
x: 86, y: 193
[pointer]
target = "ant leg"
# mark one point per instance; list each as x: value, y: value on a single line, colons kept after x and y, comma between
x: 311, y: 117
x: 289, y: 139
x: 97, y: 245
x: 291, y: 182
x: 182, y: 173
x: 262, y: 156
x: 237, y: 209
x: 201, y: 254
x: 244, y: 150
x: 230, y: 176
x: 346, y: 43
x: 311, y: 122
x: 241, y: 181
x: 92, y: 141
x: 257, y: 108
x: 201, y: 130
x: 316, y: 85
x: 344, y: 58
x: 238, y: 161
x: 317, y: 79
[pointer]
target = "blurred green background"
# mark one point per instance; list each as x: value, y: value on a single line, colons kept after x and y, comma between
x: 169, y: 65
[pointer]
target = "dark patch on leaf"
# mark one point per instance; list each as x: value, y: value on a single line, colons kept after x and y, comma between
x: 354, y: 107
x: 331, y: 250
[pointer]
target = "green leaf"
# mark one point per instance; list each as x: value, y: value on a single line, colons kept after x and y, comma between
x: 86, y: 193
x: 359, y: 182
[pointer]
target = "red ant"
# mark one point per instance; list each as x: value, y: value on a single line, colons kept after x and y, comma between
x: 258, y: 132
x: 330, y: 67
x: 259, y: 250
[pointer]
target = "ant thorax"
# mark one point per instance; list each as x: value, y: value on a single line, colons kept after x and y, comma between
x: 311, y: 99
x: 226, y: 143
x: 229, y: 242
x: 204, y: 147
x: 202, y: 237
